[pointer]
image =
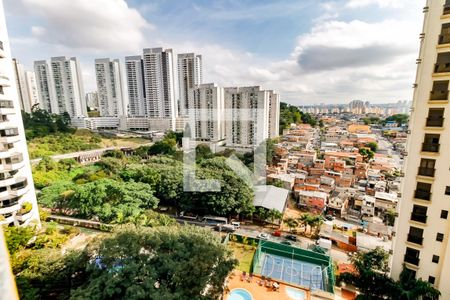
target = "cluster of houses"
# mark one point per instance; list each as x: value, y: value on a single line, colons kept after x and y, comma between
x: 326, y: 173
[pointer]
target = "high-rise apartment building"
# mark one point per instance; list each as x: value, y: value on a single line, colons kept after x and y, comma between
x: 247, y: 116
x: 134, y: 70
x: 274, y: 114
x: 159, y: 82
x: 92, y: 101
x: 18, y: 204
x: 190, y: 74
x: 422, y: 241
x: 26, y: 87
x: 207, y: 112
x: 60, y: 86
x: 110, y: 88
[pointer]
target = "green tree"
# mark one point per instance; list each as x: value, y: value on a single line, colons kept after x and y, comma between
x: 274, y: 215
x: 166, y: 146
x: 202, y: 152
x: 291, y: 223
x: 17, y: 237
x: 389, y: 217
x: 367, y: 154
x: 410, y: 288
x: 373, y: 146
x: 371, y: 276
x: 160, y: 263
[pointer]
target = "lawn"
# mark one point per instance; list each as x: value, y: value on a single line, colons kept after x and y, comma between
x: 244, y: 254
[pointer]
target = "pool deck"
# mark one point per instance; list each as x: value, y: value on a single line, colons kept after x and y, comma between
x: 259, y: 292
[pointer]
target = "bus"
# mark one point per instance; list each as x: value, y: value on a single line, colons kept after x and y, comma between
x: 212, y: 220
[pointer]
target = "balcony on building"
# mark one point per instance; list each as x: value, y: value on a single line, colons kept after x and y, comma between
x: 431, y: 143
x: 411, y: 259
x: 435, y: 117
x: 4, y: 80
x: 440, y: 90
x: 444, y: 37
x: 447, y: 7
x: 9, y: 135
x: 423, y: 195
x: 415, y: 239
x: 427, y: 167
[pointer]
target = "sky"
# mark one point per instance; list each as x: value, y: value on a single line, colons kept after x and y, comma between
x: 310, y: 51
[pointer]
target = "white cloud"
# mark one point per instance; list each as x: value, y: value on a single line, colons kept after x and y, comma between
x: 83, y: 24
x: 380, y: 3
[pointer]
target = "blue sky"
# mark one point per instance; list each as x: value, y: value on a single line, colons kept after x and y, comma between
x: 311, y: 51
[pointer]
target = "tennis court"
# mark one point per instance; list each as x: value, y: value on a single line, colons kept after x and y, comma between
x: 292, y: 271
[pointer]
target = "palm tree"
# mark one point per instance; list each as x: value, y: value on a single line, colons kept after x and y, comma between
x: 290, y: 223
x: 304, y: 220
x: 411, y: 288
x: 316, y: 222
x: 273, y: 215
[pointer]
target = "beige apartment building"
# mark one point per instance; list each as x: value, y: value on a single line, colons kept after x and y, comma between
x: 423, y: 226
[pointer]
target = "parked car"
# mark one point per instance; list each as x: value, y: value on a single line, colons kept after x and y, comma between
x: 236, y: 224
x: 330, y: 217
x: 276, y: 233
x: 263, y: 236
x: 224, y: 228
x: 291, y: 237
x: 286, y: 243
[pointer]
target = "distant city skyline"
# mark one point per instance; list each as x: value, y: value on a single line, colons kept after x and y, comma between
x: 309, y: 51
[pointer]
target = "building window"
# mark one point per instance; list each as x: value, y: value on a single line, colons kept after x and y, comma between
x: 423, y: 191
x: 444, y: 214
x: 431, y: 279
x: 435, y: 259
x: 415, y: 235
x: 412, y: 256
x: 419, y: 214
x: 440, y: 237
x: 447, y: 190
x: 435, y: 116
x: 440, y: 90
x: 427, y: 167
x: 431, y: 143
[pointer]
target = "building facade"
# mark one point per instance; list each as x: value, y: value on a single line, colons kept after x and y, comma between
x: 26, y: 87
x: 134, y: 70
x: 206, y: 111
x: 246, y: 115
x: 190, y: 74
x: 159, y: 85
x: 110, y: 89
x: 423, y: 227
x: 274, y: 114
x: 18, y: 204
x: 60, y: 86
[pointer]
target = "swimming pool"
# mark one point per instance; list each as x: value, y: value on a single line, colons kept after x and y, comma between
x: 295, y: 293
x: 240, y: 294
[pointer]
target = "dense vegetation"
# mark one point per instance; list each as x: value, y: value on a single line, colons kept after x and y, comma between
x: 48, y: 134
x: 400, y: 119
x: 371, y: 277
x: 121, y: 190
x: 40, y: 123
x: 290, y: 114
x: 169, y: 262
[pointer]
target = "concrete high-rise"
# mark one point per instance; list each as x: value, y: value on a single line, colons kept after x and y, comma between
x: 134, y: 70
x: 274, y: 114
x: 110, y: 88
x: 18, y: 204
x: 190, y: 74
x: 26, y: 87
x: 207, y: 112
x: 422, y: 238
x: 247, y: 116
x: 159, y: 85
x: 60, y: 86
